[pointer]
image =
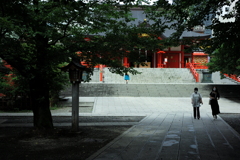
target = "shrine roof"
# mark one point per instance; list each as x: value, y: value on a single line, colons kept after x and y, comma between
x: 140, y: 17
x: 191, y: 34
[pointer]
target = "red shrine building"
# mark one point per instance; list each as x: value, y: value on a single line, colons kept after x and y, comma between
x: 172, y: 57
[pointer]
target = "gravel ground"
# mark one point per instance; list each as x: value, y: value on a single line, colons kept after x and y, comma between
x: 61, y: 143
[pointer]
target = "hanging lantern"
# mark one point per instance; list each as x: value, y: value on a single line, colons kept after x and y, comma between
x: 75, y: 69
x: 75, y: 75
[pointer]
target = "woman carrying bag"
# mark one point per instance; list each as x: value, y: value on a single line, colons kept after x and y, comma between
x: 214, y: 97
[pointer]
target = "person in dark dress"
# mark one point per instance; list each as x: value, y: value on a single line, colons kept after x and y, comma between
x: 214, y: 97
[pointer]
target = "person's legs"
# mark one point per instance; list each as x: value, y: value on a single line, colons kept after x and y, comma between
x: 217, y: 111
x: 198, y: 112
x: 194, y: 112
x: 213, y: 114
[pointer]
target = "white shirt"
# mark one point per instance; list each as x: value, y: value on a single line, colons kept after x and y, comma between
x: 196, y: 99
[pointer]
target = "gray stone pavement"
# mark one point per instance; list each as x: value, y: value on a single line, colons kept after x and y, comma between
x: 167, y: 132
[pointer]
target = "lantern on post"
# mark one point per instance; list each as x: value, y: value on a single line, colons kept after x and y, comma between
x: 75, y: 70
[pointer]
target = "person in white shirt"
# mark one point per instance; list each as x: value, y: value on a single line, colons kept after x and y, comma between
x: 196, y: 103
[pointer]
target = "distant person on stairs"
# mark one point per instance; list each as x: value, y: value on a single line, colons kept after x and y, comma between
x: 196, y: 101
x: 126, y: 77
x: 214, y: 97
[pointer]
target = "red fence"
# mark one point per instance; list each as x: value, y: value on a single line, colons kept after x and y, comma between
x: 194, y: 66
x: 193, y: 70
x: 234, y: 77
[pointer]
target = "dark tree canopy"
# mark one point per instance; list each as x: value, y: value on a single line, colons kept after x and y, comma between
x: 37, y: 36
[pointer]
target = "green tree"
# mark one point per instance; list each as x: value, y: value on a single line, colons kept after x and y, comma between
x: 38, y: 35
x: 184, y: 15
x: 223, y: 46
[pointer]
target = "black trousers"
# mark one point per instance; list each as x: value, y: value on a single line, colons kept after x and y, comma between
x: 196, y: 112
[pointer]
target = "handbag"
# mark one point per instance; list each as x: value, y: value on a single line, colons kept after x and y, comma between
x: 210, y: 101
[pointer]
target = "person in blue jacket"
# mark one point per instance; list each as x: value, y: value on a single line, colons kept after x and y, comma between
x: 126, y: 77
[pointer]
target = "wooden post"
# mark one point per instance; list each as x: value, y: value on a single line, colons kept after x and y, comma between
x: 75, y: 106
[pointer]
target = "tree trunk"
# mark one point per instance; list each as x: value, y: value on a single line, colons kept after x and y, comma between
x: 40, y: 104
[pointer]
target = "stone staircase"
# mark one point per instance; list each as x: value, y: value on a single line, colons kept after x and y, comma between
x: 153, y: 82
x: 151, y: 90
x: 152, y: 75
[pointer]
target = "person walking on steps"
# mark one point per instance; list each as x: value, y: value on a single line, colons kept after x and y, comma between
x: 126, y: 77
x: 196, y: 101
x: 214, y: 97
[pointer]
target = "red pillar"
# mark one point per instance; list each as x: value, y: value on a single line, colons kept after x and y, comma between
x: 182, y: 60
x: 101, y: 73
x: 159, y: 59
x: 125, y: 62
x: 159, y: 62
x: 182, y: 56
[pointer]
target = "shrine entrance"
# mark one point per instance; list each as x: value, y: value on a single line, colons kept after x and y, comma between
x: 172, y: 60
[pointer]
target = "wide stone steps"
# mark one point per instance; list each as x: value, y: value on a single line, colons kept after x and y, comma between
x: 152, y: 75
x: 151, y: 90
